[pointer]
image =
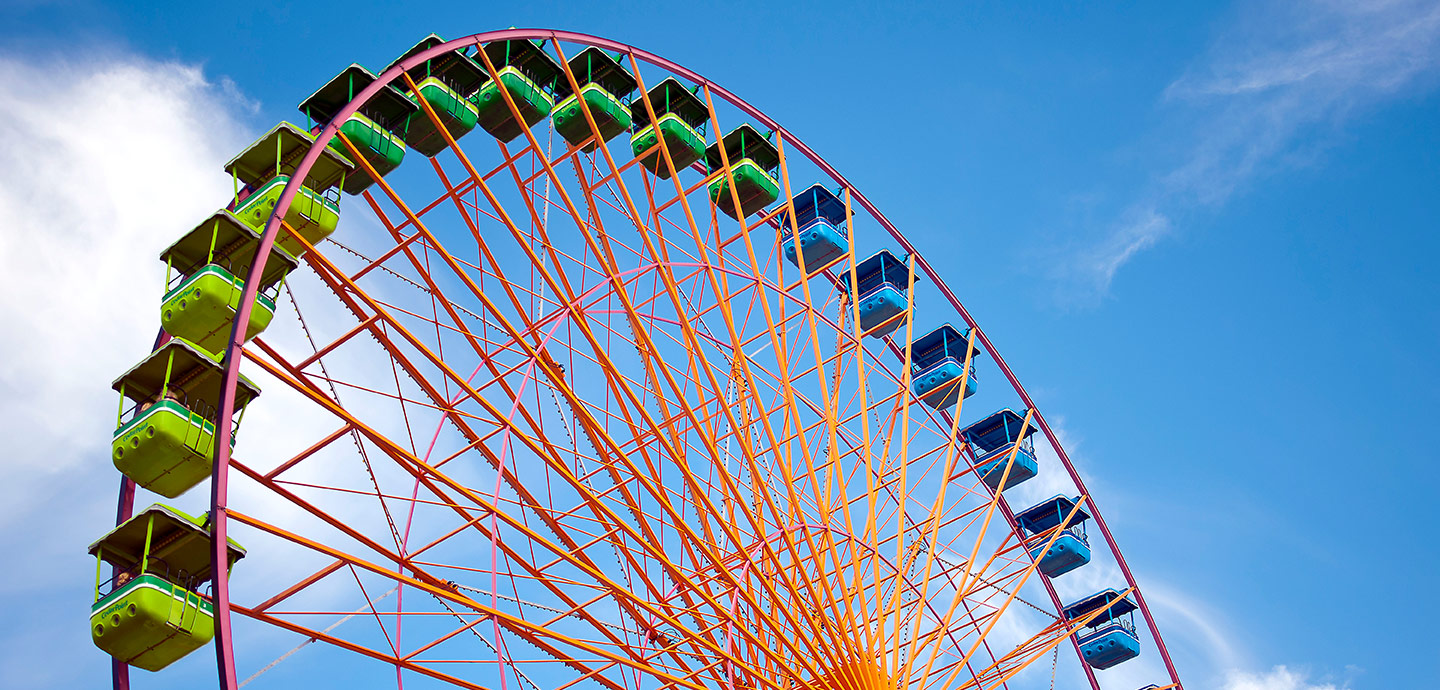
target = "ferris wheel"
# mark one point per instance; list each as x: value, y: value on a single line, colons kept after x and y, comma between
x: 602, y: 379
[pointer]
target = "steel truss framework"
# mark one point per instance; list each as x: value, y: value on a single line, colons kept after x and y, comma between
x: 605, y: 437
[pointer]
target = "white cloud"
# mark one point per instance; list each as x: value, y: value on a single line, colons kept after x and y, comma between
x: 1195, y: 632
x: 1277, y: 678
x: 1190, y: 627
x: 120, y: 156
x: 1092, y: 269
x: 1282, y: 73
x: 1052, y: 479
x: 1372, y: 46
x: 1318, y: 64
x: 108, y: 158
x: 109, y: 162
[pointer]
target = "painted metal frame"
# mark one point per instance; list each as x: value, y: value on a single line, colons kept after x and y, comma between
x: 220, y: 512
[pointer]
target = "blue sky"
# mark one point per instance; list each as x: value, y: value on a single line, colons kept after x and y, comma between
x: 1202, y: 234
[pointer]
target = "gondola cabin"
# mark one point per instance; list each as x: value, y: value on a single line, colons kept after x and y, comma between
x: 937, y: 364
x: 1071, y: 549
x: 882, y: 290
x: 265, y: 167
x: 819, y: 224
x: 150, y: 612
x: 753, y: 161
x: 528, y: 74
x: 206, y: 272
x: 1109, y: 638
x: 443, y: 86
x: 165, y: 440
x: 679, y: 123
x: 992, y: 439
x: 604, y: 87
x: 378, y: 129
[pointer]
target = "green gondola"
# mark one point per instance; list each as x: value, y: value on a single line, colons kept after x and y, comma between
x: 168, y: 442
x: 206, y: 272
x: 529, y: 75
x: 378, y: 129
x: 153, y: 613
x: 753, y: 160
x: 681, y: 118
x: 445, y: 84
x: 604, y: 86
x: 265, y: 168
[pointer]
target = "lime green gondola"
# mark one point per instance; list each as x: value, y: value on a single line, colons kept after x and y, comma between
x: 752, y: 160
x: 167, y: 443
x: 681, y: 119
x: 265, y: 167
x: 604, y: 86
x: 529, y: 75
x: 445, y: 83
x: 378, y: 129
x: 206, y: 272
x: 150, y: 613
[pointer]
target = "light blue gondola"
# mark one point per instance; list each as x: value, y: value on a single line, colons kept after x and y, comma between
x: 991, y: 440
x: 937, y: 364
x: 820, y: 225
x: 884, y: 287
x: 1071, y: 548
x: 1109, y: 639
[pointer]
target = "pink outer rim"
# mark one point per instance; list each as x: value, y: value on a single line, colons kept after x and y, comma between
x: 224, y: 642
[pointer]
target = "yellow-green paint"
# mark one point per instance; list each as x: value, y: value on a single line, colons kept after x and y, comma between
x: 150, y: 623
x: 166, y: 448
x: 202, y: 308
x: 313, y: 216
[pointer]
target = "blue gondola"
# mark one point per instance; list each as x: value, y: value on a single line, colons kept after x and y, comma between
x: 937, y: 365
x: 820, y: 219
x: 991, y: 440
x: 1110, y: 637
x: 884, y: 283
x: 1071, y: 549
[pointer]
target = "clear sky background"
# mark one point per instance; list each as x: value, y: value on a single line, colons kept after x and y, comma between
x: 1203, y: 234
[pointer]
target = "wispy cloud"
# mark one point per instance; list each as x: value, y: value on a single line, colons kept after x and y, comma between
x: 1270, y: 91
x: 118, y: 156
x: 110, y: 157
x: 1277, y: 678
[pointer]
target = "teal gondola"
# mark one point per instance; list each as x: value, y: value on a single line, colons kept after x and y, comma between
x: 1108, y: 639
x: 992, y: 438
x: 1071, y: 548
x: 820, y: 226
x: 937, y: 363
x: 883, y: 292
